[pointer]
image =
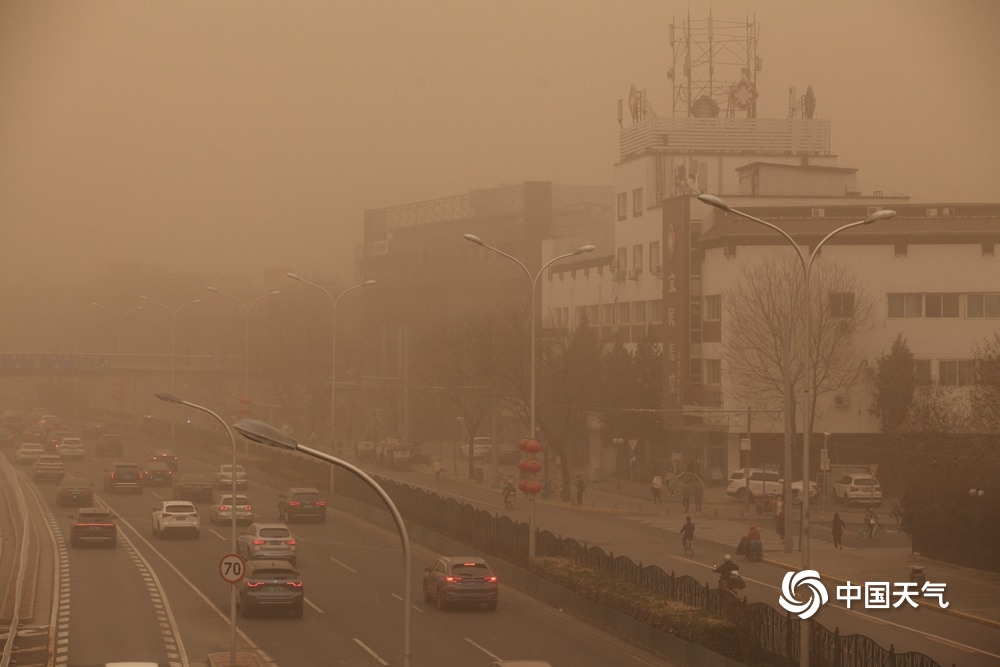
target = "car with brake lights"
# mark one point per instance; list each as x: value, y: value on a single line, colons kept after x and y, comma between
x: 175, y: 517
x: 461, y: 579
x: 223, y: 477
x: 74, y: 492
x: 167, y: 456
x: 267, y: 540
x: 48, y: 468
x: 270, y: 585
x: 301, y: 502
x: 123, y: 477
x: 72, y: 448
x: 223, y: 507
x: 156, y: 473
x: 93, y: 525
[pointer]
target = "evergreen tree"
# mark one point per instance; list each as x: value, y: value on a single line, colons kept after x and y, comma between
x: 894, y: 385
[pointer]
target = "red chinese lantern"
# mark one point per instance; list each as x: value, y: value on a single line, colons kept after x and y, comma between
x: 530, y: 446
x: 246, y: 400
x: 530, y: 466
x: 531, y: 486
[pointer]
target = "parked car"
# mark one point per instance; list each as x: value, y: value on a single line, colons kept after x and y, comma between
x: 123, y: 477
x: 109, y: 444
x: 223, y: 477
x: 761, y: 483
x: 167, y: 456
x: 857, y: 488
x: 192, y: 486
x: 156, y: 473
x: 93, y: 525
x: 27, y: 452
x: 174, y: 517
x: 454, y: 579
x: 301, y: 502
x: 271, y: 585
x: 74, y: 492
x: 223, y: 507
x: 267, y: 540
x: 796, y: 491
x: 48, y: 468
x: 72, y: 448
x: 392, y: 454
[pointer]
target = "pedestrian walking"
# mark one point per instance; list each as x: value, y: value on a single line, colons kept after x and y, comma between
x: 580, y: 486
x: 438, y: 469
x: 699, y: 491
x: 656, y: 488
x: 687, y: 537
x: 686, y: 497
x: 779, y: 523
x: 837, y: 528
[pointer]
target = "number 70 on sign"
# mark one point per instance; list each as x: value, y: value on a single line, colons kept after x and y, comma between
x: 232, y: 567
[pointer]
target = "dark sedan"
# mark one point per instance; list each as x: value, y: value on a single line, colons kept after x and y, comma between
x: 269, y: 585
x: 166, y: 456
x: 193, y: 487
x: 74, y: 492
x: 456, y: 579
x: 93, y: 525
x: 156, y: 473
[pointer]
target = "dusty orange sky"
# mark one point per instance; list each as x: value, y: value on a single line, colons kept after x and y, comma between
x: 254, y: 133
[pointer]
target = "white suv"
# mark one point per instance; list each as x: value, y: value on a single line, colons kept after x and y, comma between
x: 176, y: 516
x: 761, y: 483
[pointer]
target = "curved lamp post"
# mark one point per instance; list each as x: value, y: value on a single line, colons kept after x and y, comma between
x: 266, y: 434
x: 173, y: 347
x: 534, y: 289
x: 170, y: 398
x: 246, y: 312
x: 806, y: 262
x: 333, y: 351
x: 121, y: 317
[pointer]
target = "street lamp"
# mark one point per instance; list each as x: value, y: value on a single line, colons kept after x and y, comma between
x: 333, y: 351
x: 120, y: 317
x: 170, y: 398
x: 534, y: 282
x: 806, y: 263
x: 246, y: 312
x: 266, y: 434
x: 173, y: 347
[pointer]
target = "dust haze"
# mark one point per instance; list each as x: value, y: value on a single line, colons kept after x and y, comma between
x: 231, y: 138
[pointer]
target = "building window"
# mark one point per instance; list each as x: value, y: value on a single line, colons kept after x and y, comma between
x: 695, y: 367
x: 956, y: 373
x: 623, y: 313
x: 655, y: 258
x: 982, y: 305
x: 609, y: 314
x: 581, y: 315
x: 594, y: 315
x: 906, y: 305
x: 637, y: 203
x: 637, y: 258
x: 656, y: 312
x: 841, y: 304
x: 941, y: 305
x: 922, y: 372
x: 713, y: 307
x: 622, y: 206
x: 639, y: 312
x: 713, y: 371
x: 622, y: 259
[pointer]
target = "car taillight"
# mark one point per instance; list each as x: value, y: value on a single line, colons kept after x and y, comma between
x: 255, y: 584
x: 290, y: 542
x: 294, y: 584
x: 247, y: 508
x: 258, y: 542
x: 223, y: 508
x: 451, y: 579
x: 293, y: 503
x: 491, y: 580
x: 321, y: 503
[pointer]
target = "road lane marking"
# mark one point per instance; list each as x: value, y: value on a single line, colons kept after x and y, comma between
x: 217, y: 533
x: 346, y: 567
x: 310, y: 603
x: 412, y: 606
x: 370, y: 652
x: 492, y: 655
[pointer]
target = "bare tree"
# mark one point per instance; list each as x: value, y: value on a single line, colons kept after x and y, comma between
x: 770, y: 294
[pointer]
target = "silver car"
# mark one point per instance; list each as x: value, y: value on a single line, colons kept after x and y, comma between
x: 222, y: 509
x: 267, y: 540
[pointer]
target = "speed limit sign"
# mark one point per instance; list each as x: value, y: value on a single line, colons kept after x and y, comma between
x: 232, y: 567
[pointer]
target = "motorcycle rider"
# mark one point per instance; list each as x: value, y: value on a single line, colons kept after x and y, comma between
x: 725, y: 570
x: 509, y: 490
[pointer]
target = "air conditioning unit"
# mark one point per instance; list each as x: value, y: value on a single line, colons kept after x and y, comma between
x: 729, y: 250
x: 842, y: 400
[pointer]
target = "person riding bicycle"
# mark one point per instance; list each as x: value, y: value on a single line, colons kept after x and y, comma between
x: 871, y: 521
x: 509, y: 490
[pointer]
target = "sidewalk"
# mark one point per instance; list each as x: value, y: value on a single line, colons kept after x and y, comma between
x: 970, y: 594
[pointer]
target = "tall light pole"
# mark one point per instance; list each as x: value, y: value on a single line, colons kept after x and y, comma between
x: 246, y: 312
x: 333, y: 350
x: 266, y: 434
x: 121, y: 317
x: 173, y: 348
x: 534, y: 289
x: 170, y: 398
x: 806, y: 262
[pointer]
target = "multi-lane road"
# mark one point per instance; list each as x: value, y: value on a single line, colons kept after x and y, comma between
x: 163, y: 600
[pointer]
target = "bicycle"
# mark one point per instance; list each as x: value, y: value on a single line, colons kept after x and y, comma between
x: 876, y: 533
x: 688, y: 547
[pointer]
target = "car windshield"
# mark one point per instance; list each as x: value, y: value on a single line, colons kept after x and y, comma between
x: 179, y: 509
x: 274, y: 574
x: 94, y: 517
x: 472, y: 570
x: 307, y: 496
x: 240, y: 500
x: 274, y: 532
x: 864, y: 481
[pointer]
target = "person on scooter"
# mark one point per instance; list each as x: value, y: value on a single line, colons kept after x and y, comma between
x: 754, y: 546
x: 726, y: 569
x: 509, y: 491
